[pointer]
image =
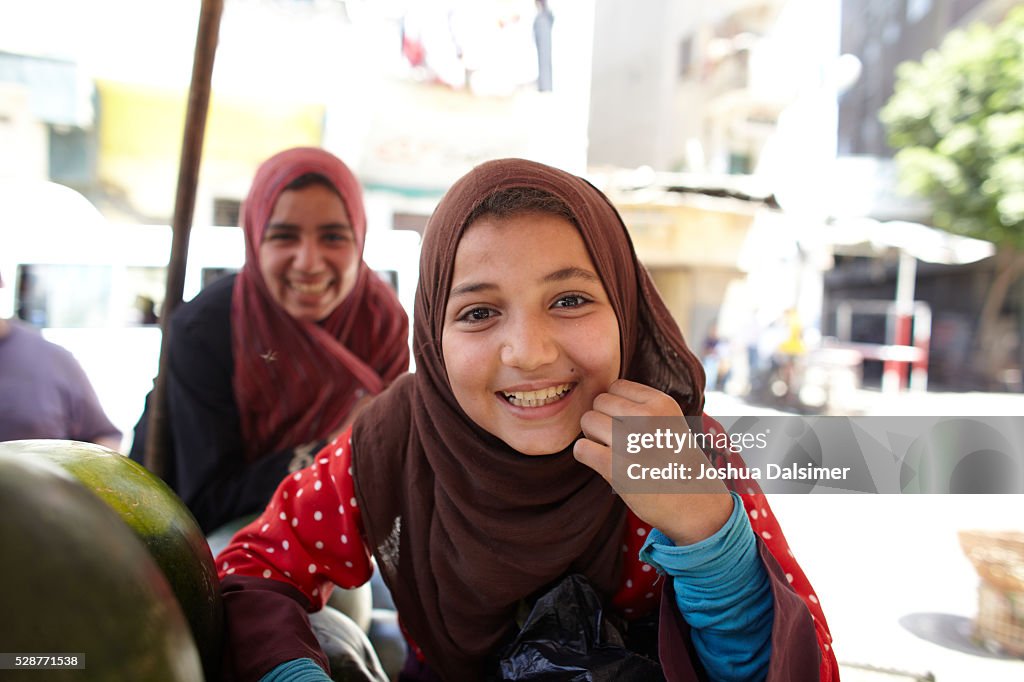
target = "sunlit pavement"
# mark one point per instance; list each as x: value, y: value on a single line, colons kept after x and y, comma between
x: 927, y: 403
x: 884, y: 565
x: 888, y: 566
x: 876, y: 403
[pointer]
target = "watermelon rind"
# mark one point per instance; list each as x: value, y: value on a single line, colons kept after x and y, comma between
x: 76, y: 580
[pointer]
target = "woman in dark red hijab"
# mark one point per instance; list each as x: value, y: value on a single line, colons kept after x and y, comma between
x: 483, y: 479
x: 265, y: 366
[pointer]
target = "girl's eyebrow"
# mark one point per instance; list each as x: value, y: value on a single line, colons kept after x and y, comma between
x: 335, y: 226
x: 571, y: 273
x: 556, y: 276
x: 282, y: 226
x: 324, y: 226
x: 471, y: 288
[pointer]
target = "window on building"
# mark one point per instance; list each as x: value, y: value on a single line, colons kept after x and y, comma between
x: 416, y: 222
x: 389, y: 277
x: 72, y: 155
x: 63, y: 295
x: 917, y: 10
x: 210, y: 275
x: 685, y: 57
x: 226, y: 212
x: 739, y: 163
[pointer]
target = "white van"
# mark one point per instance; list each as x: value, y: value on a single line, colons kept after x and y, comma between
x: 96, y: 288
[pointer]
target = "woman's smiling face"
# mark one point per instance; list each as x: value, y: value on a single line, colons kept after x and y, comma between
x: 530, y: 337
x: 308, y: 256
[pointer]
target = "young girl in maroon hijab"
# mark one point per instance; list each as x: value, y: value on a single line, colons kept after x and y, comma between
x: 267, y: 365
x: 484, y: 478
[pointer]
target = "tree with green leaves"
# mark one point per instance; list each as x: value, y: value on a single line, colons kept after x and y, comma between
x: 957, y: 121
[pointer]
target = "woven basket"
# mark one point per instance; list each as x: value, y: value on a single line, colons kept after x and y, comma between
x: 998, y: 557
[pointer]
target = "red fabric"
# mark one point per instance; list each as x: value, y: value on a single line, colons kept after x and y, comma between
x: 268, y: 607
x: 413, y: 51
x: 295, y: 382
x: 310, y: 536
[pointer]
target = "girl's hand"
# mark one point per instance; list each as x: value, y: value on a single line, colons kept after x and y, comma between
x: 698, y: 510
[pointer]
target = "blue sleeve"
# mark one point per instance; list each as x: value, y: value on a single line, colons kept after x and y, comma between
x: 298, y: 670
x: 722, y: 591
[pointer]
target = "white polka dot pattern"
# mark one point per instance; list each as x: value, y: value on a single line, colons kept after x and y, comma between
x: 306, y: 530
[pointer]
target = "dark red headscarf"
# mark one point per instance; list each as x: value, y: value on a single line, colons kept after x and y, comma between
x: 464, y: 527
x: 296, y: 381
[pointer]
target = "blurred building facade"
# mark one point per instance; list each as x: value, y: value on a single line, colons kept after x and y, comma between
x: 694, y: 244
x: 695, y: 86
x: 410, y: 96
x: 882, y: 35
x: 727, y: 110
x: 413, y: 96
x: 43, y: 100
x: 788, y: 93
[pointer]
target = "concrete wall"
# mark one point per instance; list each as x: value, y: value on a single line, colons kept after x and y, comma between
x: 692, y: 250
x: 23, y: 138
x: 629, y: 98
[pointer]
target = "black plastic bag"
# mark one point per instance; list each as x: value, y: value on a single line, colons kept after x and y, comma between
x: 567, y: 636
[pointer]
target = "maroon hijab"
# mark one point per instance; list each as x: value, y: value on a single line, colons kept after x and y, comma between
x: 297, y: 381
x: 464, y: 527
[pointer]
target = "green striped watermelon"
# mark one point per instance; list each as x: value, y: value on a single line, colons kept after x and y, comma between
x: 76, y: 580
x: 159, y: 519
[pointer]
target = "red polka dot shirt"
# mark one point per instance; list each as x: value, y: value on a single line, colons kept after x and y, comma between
x: 310, y: 536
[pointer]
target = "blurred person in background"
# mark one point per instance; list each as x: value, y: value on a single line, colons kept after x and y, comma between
x: 44, y: 393
x: 715, y: 359
x: 542, y: 25
x: 145, y: 311
x: 267, y: 365
x: 790, y: 351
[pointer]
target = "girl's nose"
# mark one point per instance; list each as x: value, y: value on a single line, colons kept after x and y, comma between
x: 528, y: 345
x: 307, y: 255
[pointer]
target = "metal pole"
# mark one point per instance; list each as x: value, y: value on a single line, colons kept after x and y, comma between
x: 184, y: 208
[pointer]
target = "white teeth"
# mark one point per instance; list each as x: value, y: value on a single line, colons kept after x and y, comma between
x: 309, y: 288
x: 544, y: 396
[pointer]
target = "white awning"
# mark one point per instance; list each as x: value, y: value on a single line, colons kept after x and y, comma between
x: 869, y: 237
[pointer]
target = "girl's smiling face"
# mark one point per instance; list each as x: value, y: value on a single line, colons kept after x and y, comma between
x: 530, y: 337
